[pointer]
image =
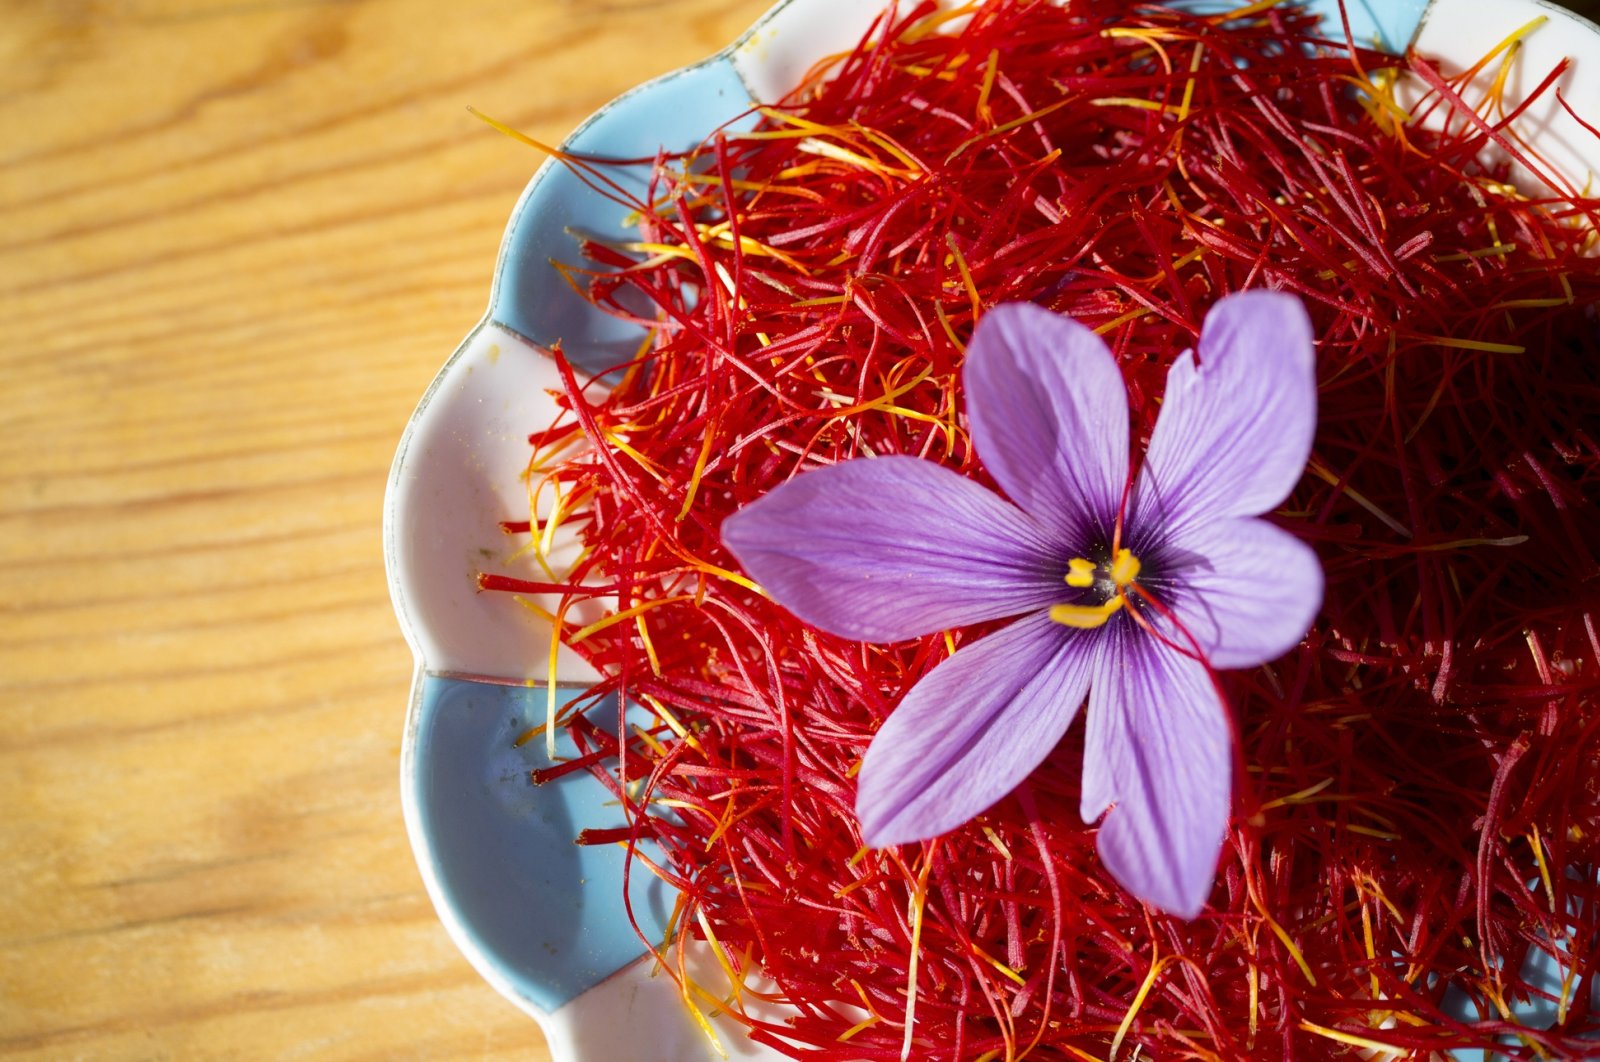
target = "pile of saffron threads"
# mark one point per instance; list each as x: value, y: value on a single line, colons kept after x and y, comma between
x: 1417, y: 812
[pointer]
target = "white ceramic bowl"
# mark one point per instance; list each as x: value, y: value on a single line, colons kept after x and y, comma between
x: 537, y: 915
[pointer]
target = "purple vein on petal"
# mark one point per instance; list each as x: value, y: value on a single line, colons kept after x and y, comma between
x: 1246, y: 590
x: 1049, y: 414
x: 1235, y: 430
x: 1157, y: 745
x: 889, y: 548
x: 971, y: 730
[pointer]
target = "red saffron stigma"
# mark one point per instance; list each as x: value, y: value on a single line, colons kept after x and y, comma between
x: 1424, y: 805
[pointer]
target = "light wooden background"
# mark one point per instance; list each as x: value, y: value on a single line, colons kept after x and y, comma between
x: 237, y: 239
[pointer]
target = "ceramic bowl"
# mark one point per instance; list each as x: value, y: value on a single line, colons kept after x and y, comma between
x: 537, y: 915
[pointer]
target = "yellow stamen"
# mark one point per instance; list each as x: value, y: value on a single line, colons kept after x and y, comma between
x: 1086, y: 617
x: 1080, y: 573
x: 1125, y: 569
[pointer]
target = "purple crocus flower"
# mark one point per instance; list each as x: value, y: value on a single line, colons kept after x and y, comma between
x: 1121, y: 595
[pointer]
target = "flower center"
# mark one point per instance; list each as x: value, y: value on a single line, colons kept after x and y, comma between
x: 1111, y: 578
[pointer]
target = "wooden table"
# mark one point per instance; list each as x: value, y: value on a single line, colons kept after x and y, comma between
x: 239, y: 237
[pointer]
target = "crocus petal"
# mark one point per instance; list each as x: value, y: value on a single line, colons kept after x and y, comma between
x: 1245, y: 590
x: 891, y: 548
x: 1158, y: 745
x: 971, y: 729
x: 1235, y: 431
x: 1049, y: 415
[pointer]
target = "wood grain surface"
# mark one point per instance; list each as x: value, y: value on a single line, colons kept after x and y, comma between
x: 237, y: 239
